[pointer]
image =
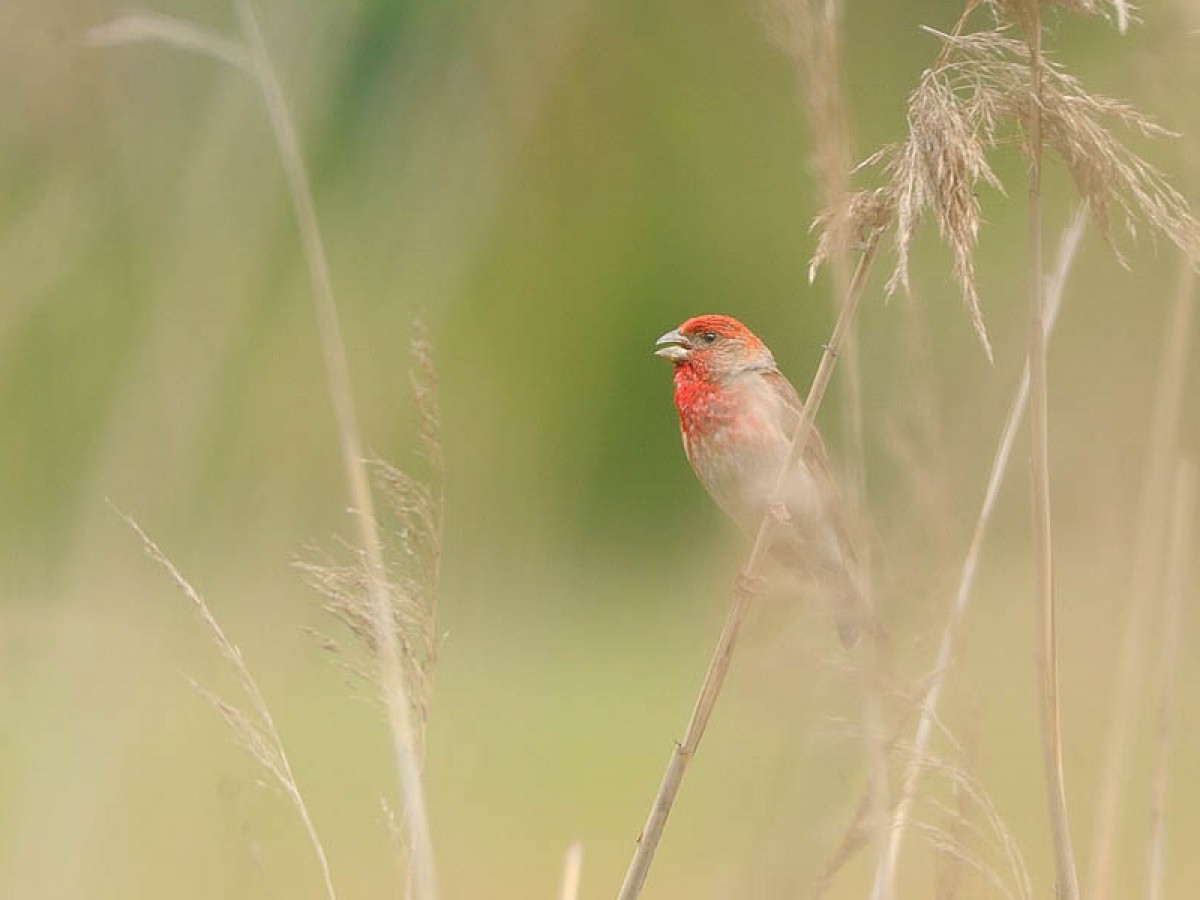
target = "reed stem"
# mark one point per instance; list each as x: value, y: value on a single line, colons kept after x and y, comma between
x: 1046, y: 647
x: 718, y: 667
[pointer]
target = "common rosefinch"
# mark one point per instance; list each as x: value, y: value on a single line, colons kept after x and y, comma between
x: 737, y: 414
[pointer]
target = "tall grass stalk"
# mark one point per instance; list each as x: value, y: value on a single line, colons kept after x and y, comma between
x: 1145, y: 572
x: 1179, y: 560
x: 810, y: 30
x: 254, y: 58
x: 1046, y: 648
x: 981, y: 83
x: 744, y: 593
x: 568, y: 888
x: 952, y: 632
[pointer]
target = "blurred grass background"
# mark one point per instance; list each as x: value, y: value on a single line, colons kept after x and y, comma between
x: 549, y: 186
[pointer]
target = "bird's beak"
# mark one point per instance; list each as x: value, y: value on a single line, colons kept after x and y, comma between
x: 672, y: 346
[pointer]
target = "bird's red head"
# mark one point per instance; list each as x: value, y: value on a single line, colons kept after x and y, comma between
x: 713, y: 347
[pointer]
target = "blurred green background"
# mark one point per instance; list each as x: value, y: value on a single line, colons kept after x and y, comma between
x: 548, y: 185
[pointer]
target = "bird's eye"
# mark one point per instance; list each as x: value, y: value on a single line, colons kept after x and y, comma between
x: 709, y: 337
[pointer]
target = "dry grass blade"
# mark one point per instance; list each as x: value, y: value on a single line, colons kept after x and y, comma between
x: 1046, y: 642
x: 975, y: 833
x: 810, y: 32
x: 1179, y: 560
x: 254, y: 59
x: 141, y: 28
x: 991, y: 834
x: 256, y: 731
x: 572, y: 872
x: 1145, y: 572
x: 946, y: 843
x: 952, y: 632
x: 397, y: 692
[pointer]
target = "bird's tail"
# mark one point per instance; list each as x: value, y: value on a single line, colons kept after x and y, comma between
x: 851, y: 610
x: 825, y: 570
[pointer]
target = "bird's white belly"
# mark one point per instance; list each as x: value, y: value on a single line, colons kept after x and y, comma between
x: 741, y: 475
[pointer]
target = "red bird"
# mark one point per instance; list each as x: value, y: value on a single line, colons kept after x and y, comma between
x: 737, y: 414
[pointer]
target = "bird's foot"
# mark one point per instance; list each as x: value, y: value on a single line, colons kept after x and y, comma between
x: 748, y: 585
x: 779, y: 512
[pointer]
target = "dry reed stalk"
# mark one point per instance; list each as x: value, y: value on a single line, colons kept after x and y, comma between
x: 744, y: 592
x: 952, y: 633
x: 1145, y: 572
x: 256, y: 732
x: 568, y: 888
x: 810, y: 30
x: 1046, y: 647
x: 1178, y: 563
x: 396, y: 692
x: 983, y: 86
x: 254, y: 59
x: 876, y: 743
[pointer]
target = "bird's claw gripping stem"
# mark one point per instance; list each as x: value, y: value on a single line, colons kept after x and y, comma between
x: 749, y: 585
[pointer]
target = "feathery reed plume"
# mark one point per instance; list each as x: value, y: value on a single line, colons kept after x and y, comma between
x: 568, y: 888
x: 989, y: 72
x: 1145, y: 571
x: 413, y: 524
x: 1179, y: 559
x: 744, y: 592
x: 986, y: 89
x: 977, y: 96
x: 937, y: 168
x: 252, y: 57
x: 255, y: 730
x: 952, y: 632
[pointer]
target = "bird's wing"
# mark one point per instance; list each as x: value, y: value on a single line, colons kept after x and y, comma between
x: 828, y: 555
x: 816, y: 458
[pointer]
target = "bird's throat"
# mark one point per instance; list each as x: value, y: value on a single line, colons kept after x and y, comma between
x: 701, y: 403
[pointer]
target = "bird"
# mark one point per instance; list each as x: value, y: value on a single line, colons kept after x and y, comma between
x: 737, y: 415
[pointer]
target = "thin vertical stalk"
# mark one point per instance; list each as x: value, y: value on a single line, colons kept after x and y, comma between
x: 1046, y: 649
x: 1145, y: 571
x: 718, y: 667
x: 568, y: 888
x: 397, y: 694
x: 833, y: 156
x: 1179, y: 558
x: 886, y: 870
